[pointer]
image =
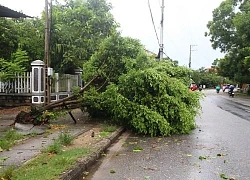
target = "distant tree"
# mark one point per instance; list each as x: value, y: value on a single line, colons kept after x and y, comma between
x: 16, y: 64
x: 8, y: 38
x: 208, y: 78
x: 78, y: 29
x: 31, y: 37
x: 230, y: 32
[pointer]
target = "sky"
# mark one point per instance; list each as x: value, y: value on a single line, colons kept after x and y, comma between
x: 184, y: 25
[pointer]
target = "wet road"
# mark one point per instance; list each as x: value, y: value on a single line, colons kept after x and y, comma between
x: 224, y: 102
x: 219, y: 148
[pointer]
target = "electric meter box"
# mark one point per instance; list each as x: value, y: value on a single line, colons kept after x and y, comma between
x: 50, y: 71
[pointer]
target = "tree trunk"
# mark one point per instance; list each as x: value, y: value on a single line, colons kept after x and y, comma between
x: 29, y: 117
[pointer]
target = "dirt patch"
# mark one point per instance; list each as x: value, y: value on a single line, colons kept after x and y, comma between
x: 87, y: 139
x: 13, y: 110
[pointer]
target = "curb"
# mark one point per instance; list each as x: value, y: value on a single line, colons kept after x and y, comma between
x: 77, y: 172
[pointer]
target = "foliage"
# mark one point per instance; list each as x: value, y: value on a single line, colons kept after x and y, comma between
x: 9, y: 139
x: 104, y: 133
x: 207, y: 78
x: 8, y: 173
x: 31, y: 37
x: 38, y: 167
x: 77, y: 30
x: 134, y: 90
x: 148, y: 101
x: 55, y: 148
x: 16, y: 64
x: 8, y: 38
x: 116, y: 56
x: 229, y: 31
x: 38, y: 117
x: 108, y: 128
x: 65, y: 138
x: 129, y: 87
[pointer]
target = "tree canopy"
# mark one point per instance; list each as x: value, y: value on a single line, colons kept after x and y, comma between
x: 77, y: 29
x: 134, y: 90
x: 125, y: 84
x: 229, y: 31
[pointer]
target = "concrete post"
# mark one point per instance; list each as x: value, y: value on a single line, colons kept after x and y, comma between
x: 37, y: 84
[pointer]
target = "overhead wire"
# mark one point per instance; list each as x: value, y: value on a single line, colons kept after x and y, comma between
x: 152, y: 18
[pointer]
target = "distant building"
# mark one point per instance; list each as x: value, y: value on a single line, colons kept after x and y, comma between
x: 211, y: 69
x: 150, y: 53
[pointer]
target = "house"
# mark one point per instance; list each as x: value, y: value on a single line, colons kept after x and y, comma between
x: 150, y: 53
x: 211, y: 69
x: 6, y: 12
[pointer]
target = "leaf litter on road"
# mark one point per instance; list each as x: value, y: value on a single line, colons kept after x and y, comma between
x: 137, y: 149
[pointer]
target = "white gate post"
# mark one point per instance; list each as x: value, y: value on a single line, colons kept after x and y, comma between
x: 37, y: 84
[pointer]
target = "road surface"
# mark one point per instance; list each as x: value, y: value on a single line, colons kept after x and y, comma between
x: 218, y: 149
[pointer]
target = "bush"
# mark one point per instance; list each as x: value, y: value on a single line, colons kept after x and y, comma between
x: 150, y: 102
x: 65, y: 138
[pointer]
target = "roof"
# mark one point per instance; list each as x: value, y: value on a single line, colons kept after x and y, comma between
x: 6, y: 12
x: 150, y: 52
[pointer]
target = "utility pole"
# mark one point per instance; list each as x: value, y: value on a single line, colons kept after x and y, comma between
x: 161, y: 32
x: 190, y: 55
x: 46, y: 54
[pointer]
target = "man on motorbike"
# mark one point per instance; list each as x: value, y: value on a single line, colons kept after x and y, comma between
x: 231, y: 91
x: 217, y: 89
x: 231, y: 88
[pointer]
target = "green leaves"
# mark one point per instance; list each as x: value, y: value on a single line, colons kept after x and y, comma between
x: 229, y: 31
x: 148, y: 101
x: 137, y: 149
x: 17, y: 64
x: 8, y: 38
x: 79, y: 27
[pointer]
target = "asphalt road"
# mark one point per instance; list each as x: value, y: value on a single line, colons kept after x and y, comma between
x: 223, y: 101
x: 218, y: 149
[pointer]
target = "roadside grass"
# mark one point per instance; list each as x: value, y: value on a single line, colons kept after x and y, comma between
x: 243, y: 95
x: 106, y: 130
x: 65, y: 138
x: 50, y: 163
x: 49, y: 166
x: 53, y: 160
x: 104, y: 134
x: 9, y: 139
x: 7, y: 175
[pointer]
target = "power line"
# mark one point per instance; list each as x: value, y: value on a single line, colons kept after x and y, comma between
x: 153, y: 22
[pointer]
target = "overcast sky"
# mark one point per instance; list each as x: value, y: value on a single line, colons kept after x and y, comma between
x: 184, y: 25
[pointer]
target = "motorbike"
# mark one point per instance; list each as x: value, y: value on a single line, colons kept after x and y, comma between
x: 217, y: 89
x: 231, y: 94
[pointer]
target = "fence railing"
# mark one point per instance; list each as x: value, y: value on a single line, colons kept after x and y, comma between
x: 22, y: 83
x: 63, y: 82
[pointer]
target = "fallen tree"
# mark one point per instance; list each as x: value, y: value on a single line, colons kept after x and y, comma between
x: 132, y: 89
